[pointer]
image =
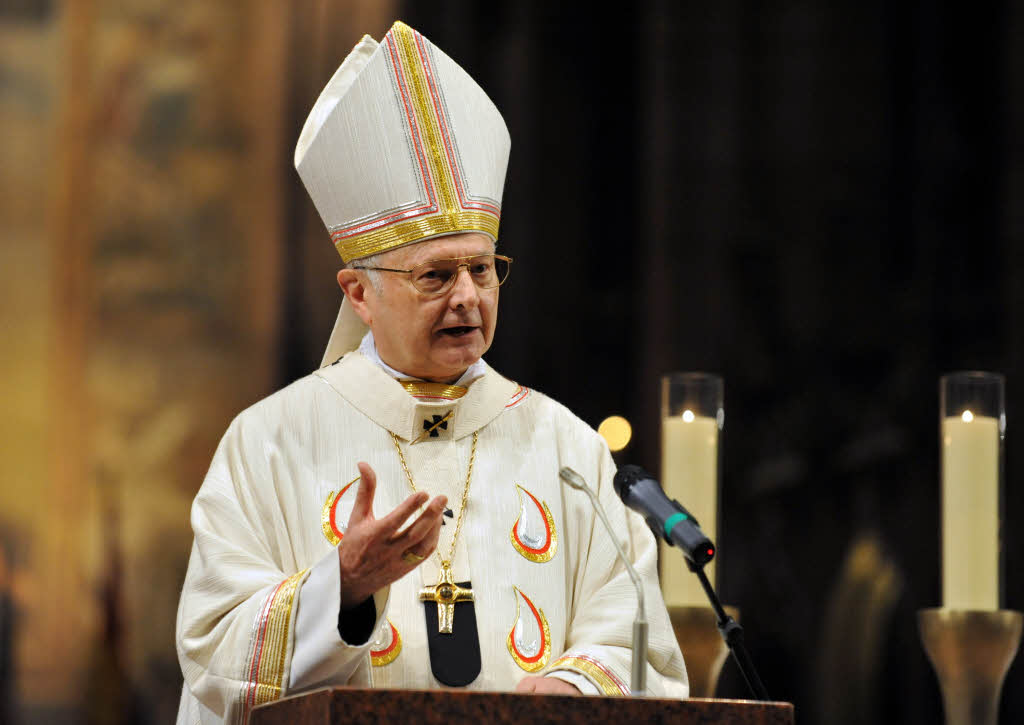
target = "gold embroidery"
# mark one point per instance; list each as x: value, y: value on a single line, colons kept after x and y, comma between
x: 539, y: 660
x: 430, y: 129
x: 450, y: 216
x: 266, y: 670
x: 388, y: 237
x: 547, y: 550
x: 379, y: 658
x: 423, y: 389
x: 606, y: 681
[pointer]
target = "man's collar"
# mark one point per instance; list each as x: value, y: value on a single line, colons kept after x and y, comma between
x: 388, y: 403
x: 369, y: 350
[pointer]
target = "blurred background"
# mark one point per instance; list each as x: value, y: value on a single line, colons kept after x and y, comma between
x: 822, y: 202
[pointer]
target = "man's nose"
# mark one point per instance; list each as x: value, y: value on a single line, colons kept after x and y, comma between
x: 464, y: 292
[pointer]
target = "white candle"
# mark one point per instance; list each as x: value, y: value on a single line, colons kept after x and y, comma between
x: 689, y: 473
x: 970, y: 512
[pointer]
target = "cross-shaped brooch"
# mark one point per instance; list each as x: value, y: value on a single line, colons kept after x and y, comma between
x: 431, y: 426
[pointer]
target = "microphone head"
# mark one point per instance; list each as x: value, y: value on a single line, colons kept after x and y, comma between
x: 624, y: 479
x: 572, y: 478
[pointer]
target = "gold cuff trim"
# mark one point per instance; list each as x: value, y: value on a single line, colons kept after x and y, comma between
x: 530, y: 663
x: 593, y: 670
x: 382, y: 657
x: 441, y: 391
x: 271, y: 643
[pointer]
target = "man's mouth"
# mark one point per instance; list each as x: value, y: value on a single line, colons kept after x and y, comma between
x: 457, y: 331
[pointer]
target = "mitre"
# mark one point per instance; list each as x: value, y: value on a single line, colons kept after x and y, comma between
x: 401, y: 146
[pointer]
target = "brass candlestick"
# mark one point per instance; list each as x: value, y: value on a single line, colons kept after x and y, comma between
x: 704, y: 650
x: 971, y: 652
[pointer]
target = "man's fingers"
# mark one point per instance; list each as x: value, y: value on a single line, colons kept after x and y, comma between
x: 546, y: 685
x: 425, y: 529
x: 363, y: 507
x: 394, y: 520
x: 527, y: 684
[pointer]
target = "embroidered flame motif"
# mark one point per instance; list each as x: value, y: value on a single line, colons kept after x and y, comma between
x: 529, y: 642
x: 333, y: 529
x: 533, y: 534
x: 387, y: 647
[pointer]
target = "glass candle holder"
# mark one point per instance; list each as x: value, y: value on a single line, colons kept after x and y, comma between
x: 692, y: 417
x: 972, y: 428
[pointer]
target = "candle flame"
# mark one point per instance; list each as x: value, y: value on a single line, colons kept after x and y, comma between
x: 968, y: 416
x: 688, y: 416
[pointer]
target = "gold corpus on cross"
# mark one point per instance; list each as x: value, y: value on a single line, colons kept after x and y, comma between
x: 446, y: 593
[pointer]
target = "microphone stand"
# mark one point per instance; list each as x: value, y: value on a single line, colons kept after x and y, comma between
x: 732, y: 633
x: 638, y: 668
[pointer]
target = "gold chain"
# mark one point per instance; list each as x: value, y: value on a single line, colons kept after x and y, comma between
x: 465, y: 493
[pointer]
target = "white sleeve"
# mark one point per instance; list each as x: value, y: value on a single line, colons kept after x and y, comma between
x: 320, y: 656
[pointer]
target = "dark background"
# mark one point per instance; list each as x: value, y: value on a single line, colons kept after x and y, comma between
x: 820, y: 202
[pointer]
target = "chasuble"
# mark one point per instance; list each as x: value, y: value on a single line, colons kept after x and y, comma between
x: 259, y: 612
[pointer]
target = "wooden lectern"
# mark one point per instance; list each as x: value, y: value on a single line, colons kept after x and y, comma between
x: 343, y: 705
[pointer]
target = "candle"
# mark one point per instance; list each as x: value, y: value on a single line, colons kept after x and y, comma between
x: 689, y: 473
x: 970, y: 512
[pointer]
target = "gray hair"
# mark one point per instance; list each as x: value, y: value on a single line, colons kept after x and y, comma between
x: 374, y: 260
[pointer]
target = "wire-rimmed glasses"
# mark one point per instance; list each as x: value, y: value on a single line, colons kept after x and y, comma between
x: 438, y: 275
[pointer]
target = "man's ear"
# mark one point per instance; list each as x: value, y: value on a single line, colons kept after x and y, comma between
x: 354, y: 286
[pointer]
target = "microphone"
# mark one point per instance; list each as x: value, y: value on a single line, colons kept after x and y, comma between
x: 638, y: 670
x: 670, y: 521
x: 667, y: 518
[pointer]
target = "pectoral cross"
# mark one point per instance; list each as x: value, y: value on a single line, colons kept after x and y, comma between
x: 445, y: 593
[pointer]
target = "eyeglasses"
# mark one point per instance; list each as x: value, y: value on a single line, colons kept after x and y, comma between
x: 437, y: 276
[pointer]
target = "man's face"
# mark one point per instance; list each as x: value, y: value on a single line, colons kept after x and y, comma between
x: 434, y: 338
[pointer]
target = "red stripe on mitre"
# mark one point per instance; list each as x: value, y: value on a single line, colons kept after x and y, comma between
x: 428, y: 68
x: 414, y: 133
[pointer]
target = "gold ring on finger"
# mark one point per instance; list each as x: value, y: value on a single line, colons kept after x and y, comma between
x: 411, y: 557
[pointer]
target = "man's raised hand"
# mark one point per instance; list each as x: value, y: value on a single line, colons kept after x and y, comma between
x: 370, y: 555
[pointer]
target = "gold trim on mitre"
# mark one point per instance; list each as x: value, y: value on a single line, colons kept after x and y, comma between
x: 446, y: 148
x: 450, y: 207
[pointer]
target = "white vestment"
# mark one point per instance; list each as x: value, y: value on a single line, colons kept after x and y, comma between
x: 258, y: 616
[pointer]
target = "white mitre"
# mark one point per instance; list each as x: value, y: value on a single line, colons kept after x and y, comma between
x: 401, y: 146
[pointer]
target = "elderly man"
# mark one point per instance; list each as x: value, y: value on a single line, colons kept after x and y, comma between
x: 396, y: 519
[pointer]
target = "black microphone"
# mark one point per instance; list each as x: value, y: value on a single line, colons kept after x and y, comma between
x: 667, y: 519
